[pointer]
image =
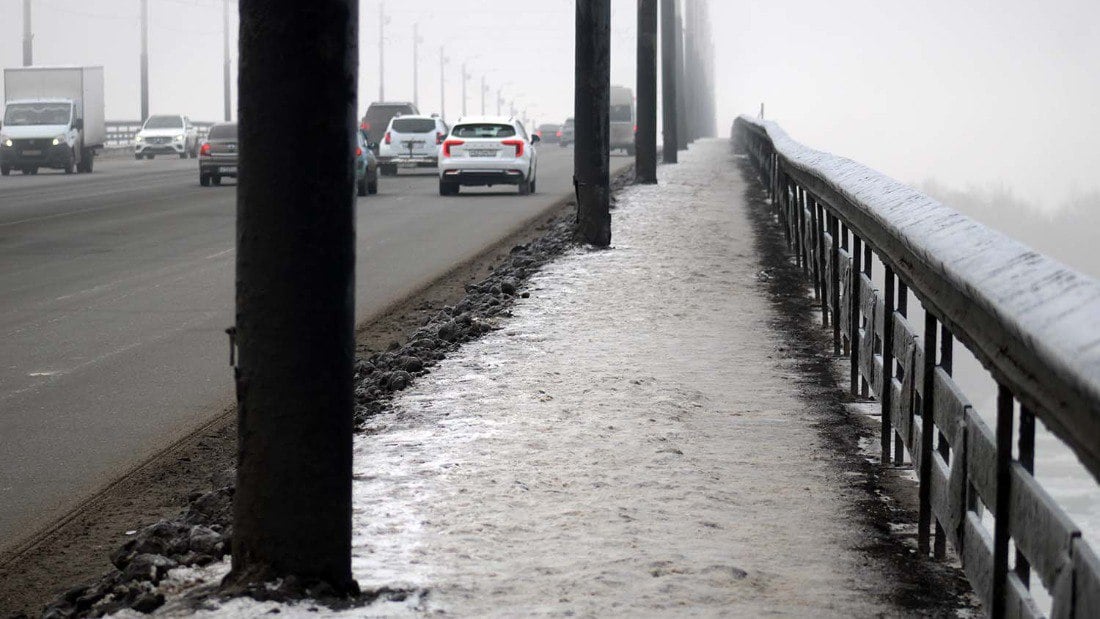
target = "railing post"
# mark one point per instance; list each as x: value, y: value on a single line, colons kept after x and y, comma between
x: 854, y: 307
x: 887, y: 396
x: 939, y: 550
x: 924, y: 521
x: 999, y: 578
x: 834, y: 230
x: 815, y: 235
x: 803, y: 253
x: 903, y: 310
x: 865, y: 388
x: 1026, y: 450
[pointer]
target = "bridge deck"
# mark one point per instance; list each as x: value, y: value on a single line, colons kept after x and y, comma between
x: 641, y: 438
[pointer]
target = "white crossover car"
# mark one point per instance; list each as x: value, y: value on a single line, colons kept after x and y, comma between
x: 410, y: 142
x: 171, y: 134
x: 486, y: 151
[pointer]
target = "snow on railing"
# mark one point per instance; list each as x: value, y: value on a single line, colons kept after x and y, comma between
x: 1031, y: 321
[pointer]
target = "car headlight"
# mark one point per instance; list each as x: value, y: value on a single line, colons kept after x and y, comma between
x: 59, y: 140
x: 178, y: 138
x: 139, y: 139
x: 7, y: 142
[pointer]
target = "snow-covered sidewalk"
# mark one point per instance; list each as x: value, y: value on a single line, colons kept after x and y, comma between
x: 632, y: 442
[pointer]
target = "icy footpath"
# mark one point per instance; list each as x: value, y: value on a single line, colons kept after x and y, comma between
x: 630, y: 443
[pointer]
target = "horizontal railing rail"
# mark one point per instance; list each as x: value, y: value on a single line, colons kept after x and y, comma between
x: 122, y: 132
x: 1032, y: 322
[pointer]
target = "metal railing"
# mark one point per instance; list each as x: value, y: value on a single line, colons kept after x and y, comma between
x: 122, y: 132
x: 1033, y: 323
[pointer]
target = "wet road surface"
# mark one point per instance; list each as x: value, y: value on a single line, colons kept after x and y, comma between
x: 116, y: 291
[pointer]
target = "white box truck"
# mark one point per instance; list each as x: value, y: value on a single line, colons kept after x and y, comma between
x: 622, y: 119
x: 53, y: 118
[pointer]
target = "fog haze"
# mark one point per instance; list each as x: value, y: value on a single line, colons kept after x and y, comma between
x: 986, y: 94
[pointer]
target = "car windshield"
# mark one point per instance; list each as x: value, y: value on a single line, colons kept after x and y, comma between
x: 413, y: 125
x: 223, y: 132
x: 27, y: 114
x: 163, y: 122
x: 621, y: 113
x: 485, y: 130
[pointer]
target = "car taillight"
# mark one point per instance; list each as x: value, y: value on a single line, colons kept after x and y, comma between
x: 635, y: 128
x: 205, y: 150
x: 358, y: 151
x: 365, y: 126
x: 559, y: 134
x: 388, y: 139
x: 438, y: 137
x: 517, y: 143
x: 448, y: 144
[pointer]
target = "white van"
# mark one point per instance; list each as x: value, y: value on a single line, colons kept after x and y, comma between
x: 622, y: 119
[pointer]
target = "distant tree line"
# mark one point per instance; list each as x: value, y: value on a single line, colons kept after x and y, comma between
x: 1068, y: 233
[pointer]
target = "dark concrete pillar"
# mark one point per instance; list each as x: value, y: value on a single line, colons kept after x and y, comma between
x: 646, y: 160
x: 592, y: 99
x: 295, y: 291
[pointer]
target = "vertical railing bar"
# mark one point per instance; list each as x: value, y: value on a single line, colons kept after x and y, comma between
x: 903, y: 310
x: 802, y: 229
x: 854, y: 306
x: 1026, y: 455
x: 1001, y: 534
x: 869, y: 330
x: 820, y: 210
x: 834, y: 230
x: 887, y: 395
x: 815, y: 237
x: 947, y: 341
x: 924, y: 522
x: 796, y: 225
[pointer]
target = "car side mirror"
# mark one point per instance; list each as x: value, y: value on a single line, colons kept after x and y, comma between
x: 78, y: 124
x: 535, y: 138
x: 372, y: 145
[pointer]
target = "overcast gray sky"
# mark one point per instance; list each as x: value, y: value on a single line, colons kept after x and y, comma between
x: 981, y: 92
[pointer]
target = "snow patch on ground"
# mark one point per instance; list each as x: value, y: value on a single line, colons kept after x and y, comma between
x: 631, y: 443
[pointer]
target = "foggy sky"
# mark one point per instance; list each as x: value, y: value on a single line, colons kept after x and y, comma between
x: 981, y: 93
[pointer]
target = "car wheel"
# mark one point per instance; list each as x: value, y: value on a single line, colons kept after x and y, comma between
x: 204, y: 180
x: 525, y: 188
x: 89, y: 161
x: 183, y: 155
x: 372, y: 188
x: 447, y: 189
x: 70, y: 165
x: 534, y: 183
x: 217, y: 180
x: 361, y: 187
x: 137, y: 156
x: 33, y: 170
x: 150, y: 156
x: 5, y: 170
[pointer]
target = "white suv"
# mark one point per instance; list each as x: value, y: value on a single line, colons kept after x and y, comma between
x: 486, y: 151
x: 172, y: 134
x: 410, y: 141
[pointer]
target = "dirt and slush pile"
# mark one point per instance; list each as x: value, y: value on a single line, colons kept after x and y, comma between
x: 202, y: 534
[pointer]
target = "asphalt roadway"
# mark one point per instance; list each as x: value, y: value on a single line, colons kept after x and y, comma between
x: 116, y: 289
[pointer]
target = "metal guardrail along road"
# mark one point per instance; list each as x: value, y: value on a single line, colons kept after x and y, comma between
x: 1033, y: 323
x: 122, y: 132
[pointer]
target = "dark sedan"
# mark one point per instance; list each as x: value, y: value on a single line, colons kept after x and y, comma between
x: 548, y: 134
x: 218, y: 155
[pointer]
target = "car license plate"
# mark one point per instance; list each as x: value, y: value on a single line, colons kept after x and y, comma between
x: 481, y: 152
x: 227, y: 169
x: 32, y: 153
